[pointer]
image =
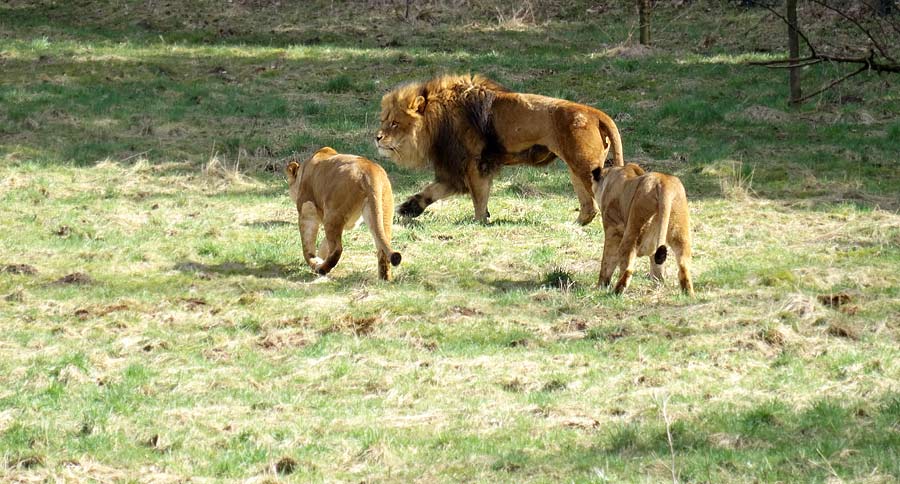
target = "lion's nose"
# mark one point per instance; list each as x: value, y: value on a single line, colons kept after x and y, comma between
x: 378, y: 136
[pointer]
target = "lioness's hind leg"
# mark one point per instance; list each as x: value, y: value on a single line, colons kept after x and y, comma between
x: 334, y: 229
x: 378, y: 214
x: 627, y: 256
x: 608, y: 262
x: 308, y: 220
x: 656, y: 270
x: 683, y: 256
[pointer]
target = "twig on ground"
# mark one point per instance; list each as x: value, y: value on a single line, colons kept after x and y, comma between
x: 665, y: 415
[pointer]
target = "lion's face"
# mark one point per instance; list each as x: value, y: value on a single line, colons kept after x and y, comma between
x: 402, y: 121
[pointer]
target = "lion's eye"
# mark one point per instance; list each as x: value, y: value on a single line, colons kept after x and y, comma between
x: 394, y: 125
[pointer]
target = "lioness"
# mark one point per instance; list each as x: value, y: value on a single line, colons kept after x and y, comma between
x: 333, y: 189
x: 466, y: 127
x: 642, y: 213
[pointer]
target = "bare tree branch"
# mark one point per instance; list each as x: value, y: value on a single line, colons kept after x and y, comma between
x: 877, y: 44
x: 868, y: 62
x: 832, y: 84
x: 776, y: 64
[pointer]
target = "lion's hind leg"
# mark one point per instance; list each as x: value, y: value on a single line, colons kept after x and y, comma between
x: 580, y: 174
x: 480, y: 189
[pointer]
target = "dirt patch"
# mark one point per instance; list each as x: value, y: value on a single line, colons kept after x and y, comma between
x: 74, y: 278
x: 193, y: 303
x: 285, y: 465
x: 842, y: 330
x: 772, y: 336
x: 85, y: 313
x: 836, y: 300
x: 23, y: 269
x: 27, y: 462
x: 277, y: 340
x: 802, y: 306
x: 760, y: 114
x: 353, y: 325
x: 464, y: 311
x: 575, y: 422
x: 629, y: 51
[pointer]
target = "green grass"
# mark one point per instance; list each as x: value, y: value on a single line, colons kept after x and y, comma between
x: 201, y: 346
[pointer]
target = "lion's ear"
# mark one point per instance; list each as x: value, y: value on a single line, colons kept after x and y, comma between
x: 291, y: 169
x: 418, y: 104
x: 596, y: 173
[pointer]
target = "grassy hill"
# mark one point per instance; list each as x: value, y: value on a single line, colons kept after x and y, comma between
x: 157, y: 322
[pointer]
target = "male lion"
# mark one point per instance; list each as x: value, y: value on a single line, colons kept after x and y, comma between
x: 467, y: 127
x: 333, y: 189
x: 642, y: 213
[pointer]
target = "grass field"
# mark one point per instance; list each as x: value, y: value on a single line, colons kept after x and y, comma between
x: 157, y: 322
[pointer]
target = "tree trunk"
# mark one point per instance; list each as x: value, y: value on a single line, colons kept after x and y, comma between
x: 885, y: 7
x: 644, y: 19
x: 793, y: 51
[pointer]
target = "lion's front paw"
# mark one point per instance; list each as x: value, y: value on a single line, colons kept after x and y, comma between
x: 411, y: 208
x: 585, y: 218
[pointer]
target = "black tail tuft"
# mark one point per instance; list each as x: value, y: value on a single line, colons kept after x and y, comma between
x: 395, y: 259
x: 660, y: 255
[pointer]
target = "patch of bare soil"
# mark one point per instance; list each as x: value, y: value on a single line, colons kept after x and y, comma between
x: 281, y: 339
x: 23, y: 269
x: 74, y: 278
x: 835, y: 300
x: 629, y: 51
x: 575, y: 422
x: 760, y: 113
x: 353, y: 325
x: 192, y: 303
x: 464, y: 311
x: 85, y: 313
x: 285, y: 465
x: 842, y: 330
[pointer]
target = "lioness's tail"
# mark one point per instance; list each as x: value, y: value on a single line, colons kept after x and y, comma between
x: 663, y: 210
x: 380, y: 227
x: 608, y: 125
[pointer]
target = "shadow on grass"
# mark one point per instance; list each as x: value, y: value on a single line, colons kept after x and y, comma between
x: 770, y: 441
x: 270, y: 224
x: 509, y: 285
x: 241, y: 269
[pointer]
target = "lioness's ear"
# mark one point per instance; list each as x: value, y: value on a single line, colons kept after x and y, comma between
x: 596, y: 172
x: 291, y: 169
x: 637, y: 169
x: 418, y: 104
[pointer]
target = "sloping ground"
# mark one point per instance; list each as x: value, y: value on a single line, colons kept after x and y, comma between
x: 156, y: 322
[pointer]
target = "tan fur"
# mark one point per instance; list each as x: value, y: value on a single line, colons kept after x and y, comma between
x: 642, y: 213
x: 518, y: 129
x: 331, y: 189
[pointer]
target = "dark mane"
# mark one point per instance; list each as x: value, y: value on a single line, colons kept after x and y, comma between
x: 469, y: 113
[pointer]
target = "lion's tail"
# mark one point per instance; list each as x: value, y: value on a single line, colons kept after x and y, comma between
x: 664, y: 209
x: 609, y: 126
x: 374, y: 215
